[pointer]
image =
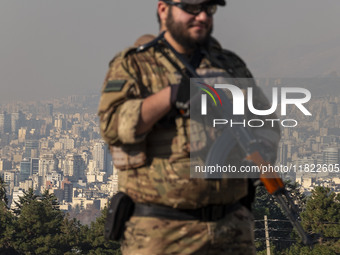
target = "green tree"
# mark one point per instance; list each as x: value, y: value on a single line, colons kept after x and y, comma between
x: 72, y: 239
x: 27, y: 198
x: 3, y: 196
x: 6, y: 223
x: 50, y: 199
x: 298, y: 249
x: 280, y: 229
x: 96, y: 241
x: 37, y: 226
x: 322, y: 214
x: 321, y: 219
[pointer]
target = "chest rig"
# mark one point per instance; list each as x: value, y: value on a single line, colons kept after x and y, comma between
x: 170, y: 136
x: 208, y: 62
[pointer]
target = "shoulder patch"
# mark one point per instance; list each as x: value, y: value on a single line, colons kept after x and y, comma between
x: 114, y: 85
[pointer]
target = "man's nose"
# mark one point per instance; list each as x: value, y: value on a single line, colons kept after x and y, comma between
x: 203, y: 16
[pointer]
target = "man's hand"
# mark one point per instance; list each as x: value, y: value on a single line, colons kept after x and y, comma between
x: 153, y: 109
x: 157, y: 105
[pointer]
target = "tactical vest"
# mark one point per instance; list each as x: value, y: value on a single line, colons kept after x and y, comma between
x: 156, y: 170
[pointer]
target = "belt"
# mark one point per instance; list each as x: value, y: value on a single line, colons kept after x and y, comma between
x: 208, y: 213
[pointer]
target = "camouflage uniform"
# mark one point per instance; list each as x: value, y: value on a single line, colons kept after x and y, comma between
x: 154, y: 167
x: 233, y: 234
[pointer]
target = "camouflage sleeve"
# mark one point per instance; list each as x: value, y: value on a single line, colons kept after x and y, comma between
x: 120, y: 103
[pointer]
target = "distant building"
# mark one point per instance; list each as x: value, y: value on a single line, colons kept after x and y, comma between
x: 323, y: 131
x: 5, y: 123
x: 11, y: 178
x: 17, y: 121
x: 47, y: 164
x: 102, y: 158
x: 5, y: 164
x: 99, y: 155
x: 59, y: 193
x: 86, y: 157
x: 68, y: 144
x: 74, y: 167
x: 34, y: 166
x: 25, y: 169
x: 50, y: 110
x: 59, y: 123
x: 283, y: 153
x: 67, y: 186
x: 22, y: 134
x: 331, y: 109
x: 26, y: 185
x: 31, y: 149
x: 14, y: 122
x: 54, y: 177
x: 331, y: 156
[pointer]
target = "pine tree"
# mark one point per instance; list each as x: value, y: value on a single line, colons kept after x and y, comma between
x: 322, y: 214
x: 6, y: 222
x: 280, y: 230
x: 27, y: 198
x: 321, y: 218
x: 72, y: 239
x: 38, y: 225
x: 96, y: 240
x: 3, y: 196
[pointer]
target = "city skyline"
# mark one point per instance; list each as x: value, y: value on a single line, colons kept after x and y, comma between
x: 56, y: 145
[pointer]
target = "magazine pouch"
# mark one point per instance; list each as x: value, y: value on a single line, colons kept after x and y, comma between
x: 120, y: 209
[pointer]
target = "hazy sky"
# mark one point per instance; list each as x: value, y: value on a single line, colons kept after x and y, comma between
x: 55, y: 48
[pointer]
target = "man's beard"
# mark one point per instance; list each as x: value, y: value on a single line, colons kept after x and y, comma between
x: 179, y: 32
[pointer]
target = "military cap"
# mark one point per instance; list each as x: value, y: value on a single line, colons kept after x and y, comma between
x: 219, y: 2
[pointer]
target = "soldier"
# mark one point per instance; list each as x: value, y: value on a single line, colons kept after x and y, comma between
x: 141, y: 121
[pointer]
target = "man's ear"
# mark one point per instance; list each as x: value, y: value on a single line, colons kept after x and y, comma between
x: 162, y: 10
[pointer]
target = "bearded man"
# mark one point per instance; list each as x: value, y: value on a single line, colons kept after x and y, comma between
x: 160, y: 209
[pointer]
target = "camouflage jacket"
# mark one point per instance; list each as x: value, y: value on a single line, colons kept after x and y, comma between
x: 154, y: 167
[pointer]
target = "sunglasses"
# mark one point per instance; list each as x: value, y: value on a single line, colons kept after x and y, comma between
x: 194, y: 9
